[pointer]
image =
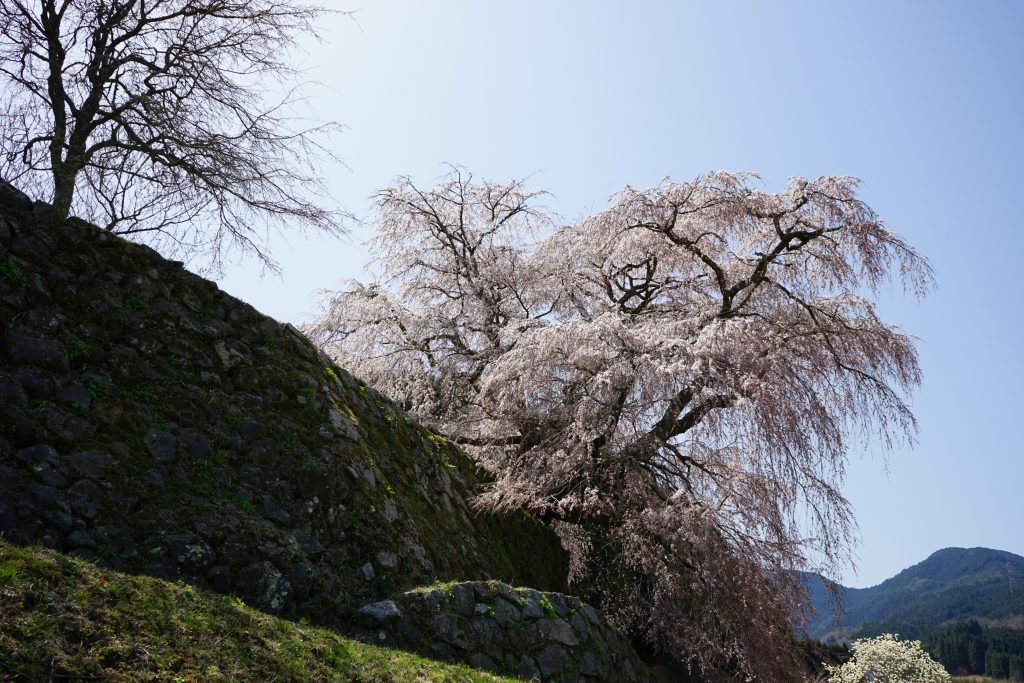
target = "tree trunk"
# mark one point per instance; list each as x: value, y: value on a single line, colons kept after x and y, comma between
x: 63, y: 191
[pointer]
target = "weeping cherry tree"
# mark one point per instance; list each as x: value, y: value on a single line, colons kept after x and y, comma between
x: 675, y: 383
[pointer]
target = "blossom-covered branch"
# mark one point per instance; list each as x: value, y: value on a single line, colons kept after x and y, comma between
x: 675, y: 381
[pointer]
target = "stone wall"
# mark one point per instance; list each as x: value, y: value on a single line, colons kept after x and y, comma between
x: 512, y: 631
x: 150, y: 422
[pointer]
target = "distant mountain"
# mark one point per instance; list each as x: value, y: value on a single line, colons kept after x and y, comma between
x: 953, y: 584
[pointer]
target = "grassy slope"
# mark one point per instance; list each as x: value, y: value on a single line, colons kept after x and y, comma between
x: 61, y: 618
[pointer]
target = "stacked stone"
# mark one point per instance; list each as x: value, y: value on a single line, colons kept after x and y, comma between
x: 150, y: 422
x: 511, y: 631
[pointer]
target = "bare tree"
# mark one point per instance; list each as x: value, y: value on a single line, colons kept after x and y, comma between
x: 674, y: 382
x: 158, y: 118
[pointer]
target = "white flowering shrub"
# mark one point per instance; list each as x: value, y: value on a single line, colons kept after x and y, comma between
x: 887, y: 659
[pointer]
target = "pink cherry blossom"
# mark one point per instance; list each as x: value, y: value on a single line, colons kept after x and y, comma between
x: 675, y: 383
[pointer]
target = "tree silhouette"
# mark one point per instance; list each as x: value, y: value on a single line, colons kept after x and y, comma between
x: 157, y: 118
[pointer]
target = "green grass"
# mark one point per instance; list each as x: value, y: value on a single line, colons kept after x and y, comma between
x: 10, y: 272
x: 549, y: 609
x: 67, y: 619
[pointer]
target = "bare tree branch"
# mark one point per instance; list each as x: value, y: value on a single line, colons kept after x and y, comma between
x: 155, y: 118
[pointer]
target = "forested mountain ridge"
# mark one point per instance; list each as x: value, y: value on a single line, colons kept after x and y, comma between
x: 952, y: 584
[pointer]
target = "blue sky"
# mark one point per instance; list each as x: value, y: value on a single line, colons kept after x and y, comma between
x: 924, y: 101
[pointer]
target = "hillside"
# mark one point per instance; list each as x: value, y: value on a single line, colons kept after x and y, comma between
x: 67, y: 619
x: 153, y: 425
x: 952, y: 584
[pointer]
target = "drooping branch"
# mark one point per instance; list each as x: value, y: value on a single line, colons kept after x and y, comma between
x: 674, y: 381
